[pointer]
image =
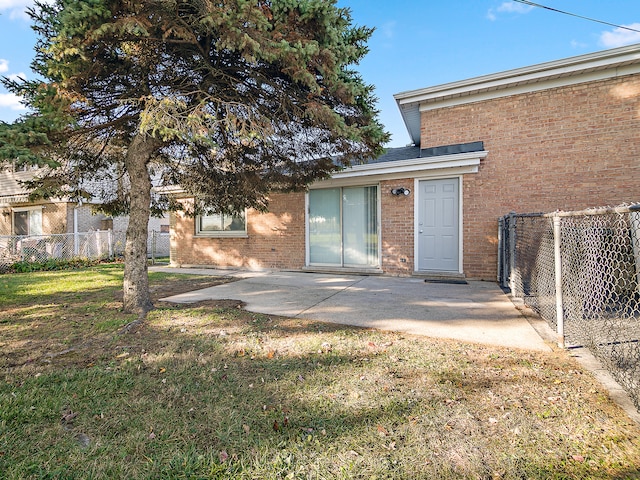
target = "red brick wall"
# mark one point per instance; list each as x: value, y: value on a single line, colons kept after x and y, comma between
x: 274, y: 240
x: 397, y: 227
x: 567, y: 148
x: 55, y: 218
x: 277, y: 239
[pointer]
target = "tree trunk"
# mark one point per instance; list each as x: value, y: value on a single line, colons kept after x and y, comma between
x: 137, y: 298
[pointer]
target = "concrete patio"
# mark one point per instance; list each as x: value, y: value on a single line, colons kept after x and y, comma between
x: 474, y: 312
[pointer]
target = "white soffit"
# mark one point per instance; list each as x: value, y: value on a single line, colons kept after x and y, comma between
x: 461, y: 162
x: 498, y: 91
x: 7, y: 200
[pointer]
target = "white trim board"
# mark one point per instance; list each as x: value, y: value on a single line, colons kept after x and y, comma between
x: 611, y: 63
x: 591, y: 67
x: 519, y: 89
x: 451, y: 165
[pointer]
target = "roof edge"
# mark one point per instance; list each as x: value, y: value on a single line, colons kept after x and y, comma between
x: 577, y: 69
x: 567, y: 66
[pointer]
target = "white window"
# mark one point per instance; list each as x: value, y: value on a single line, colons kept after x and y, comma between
x: 218, y: 225
x: 27, y: 221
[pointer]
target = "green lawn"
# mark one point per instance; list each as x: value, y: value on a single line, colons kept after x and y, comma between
x: 213, y: 391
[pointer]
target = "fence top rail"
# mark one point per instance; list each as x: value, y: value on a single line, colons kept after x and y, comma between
x: 533, y: 215
x: 71, y: 234
x: 45, y: 236
x: 576, y: 213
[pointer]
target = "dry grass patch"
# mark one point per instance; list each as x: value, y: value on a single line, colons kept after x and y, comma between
x: 213, y: 391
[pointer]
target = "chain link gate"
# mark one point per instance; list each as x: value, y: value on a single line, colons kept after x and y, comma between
x: 581, y: 272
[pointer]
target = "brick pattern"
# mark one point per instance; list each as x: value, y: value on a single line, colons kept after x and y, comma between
x: 275, y: 239
x: 88, y: 219
x: 565, y: 148
x: 54, y: 218
x: 397, y: 228
x: 57, y: 218
x: 5, y: 221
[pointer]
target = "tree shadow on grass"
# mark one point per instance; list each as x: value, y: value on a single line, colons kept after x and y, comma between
x: 266, y: 396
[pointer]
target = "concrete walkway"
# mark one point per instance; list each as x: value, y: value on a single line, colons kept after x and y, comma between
x: 475, y: 312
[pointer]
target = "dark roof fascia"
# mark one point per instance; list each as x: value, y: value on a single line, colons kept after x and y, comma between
x: 412, y: 151
x: 452, y: 149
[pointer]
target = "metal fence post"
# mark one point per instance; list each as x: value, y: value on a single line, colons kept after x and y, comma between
x: 512, y: 251
x: 153, y: 247
x: 557, y: 240
x: 98, y: 243
x: 500, y: 254
x: 634, y: 222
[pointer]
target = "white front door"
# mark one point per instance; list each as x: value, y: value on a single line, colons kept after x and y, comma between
x: 438, y: 236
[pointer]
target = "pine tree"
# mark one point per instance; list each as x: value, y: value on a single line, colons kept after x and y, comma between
x: 230, y: 100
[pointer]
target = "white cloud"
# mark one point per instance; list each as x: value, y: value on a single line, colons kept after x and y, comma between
x: 17, y: 76
x: 509, y: 7
x: 388, y: 29
x: 11, y: 101
x: 17, y: 8
x: 4, y: 68
x: 619, y: 37
x: 514, y: 7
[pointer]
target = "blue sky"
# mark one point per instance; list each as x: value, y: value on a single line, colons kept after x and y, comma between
x: 419, y: 43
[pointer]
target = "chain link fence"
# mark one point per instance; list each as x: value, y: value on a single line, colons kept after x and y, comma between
x: 158, y: 245
x: 95, y: 245
x: 581, y: 272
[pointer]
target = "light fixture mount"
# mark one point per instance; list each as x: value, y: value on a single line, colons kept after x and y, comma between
x: 400, y: 191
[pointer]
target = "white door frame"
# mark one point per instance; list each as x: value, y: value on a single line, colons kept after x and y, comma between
x: 416, y: 219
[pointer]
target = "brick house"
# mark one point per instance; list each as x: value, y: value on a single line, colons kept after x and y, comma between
x: 20, y: 216
x: 559, y: 135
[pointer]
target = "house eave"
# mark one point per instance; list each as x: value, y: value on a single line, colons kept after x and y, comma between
x: 584, y: 68
x: 461, y: 163
x: 168, y: 190
x: 8, y: 200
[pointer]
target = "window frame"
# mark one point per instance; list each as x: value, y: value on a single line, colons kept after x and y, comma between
x: 199, y: 232
x: 28, y: 210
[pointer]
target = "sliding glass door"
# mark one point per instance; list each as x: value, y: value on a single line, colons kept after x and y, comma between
x: 325, y: 227
x: 343, y: 227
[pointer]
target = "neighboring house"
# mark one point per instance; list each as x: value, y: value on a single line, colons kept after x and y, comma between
x: 20, y: 216
x: 559, y: 135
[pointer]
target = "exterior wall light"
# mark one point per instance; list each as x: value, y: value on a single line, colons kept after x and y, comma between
x: 400, y: 191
